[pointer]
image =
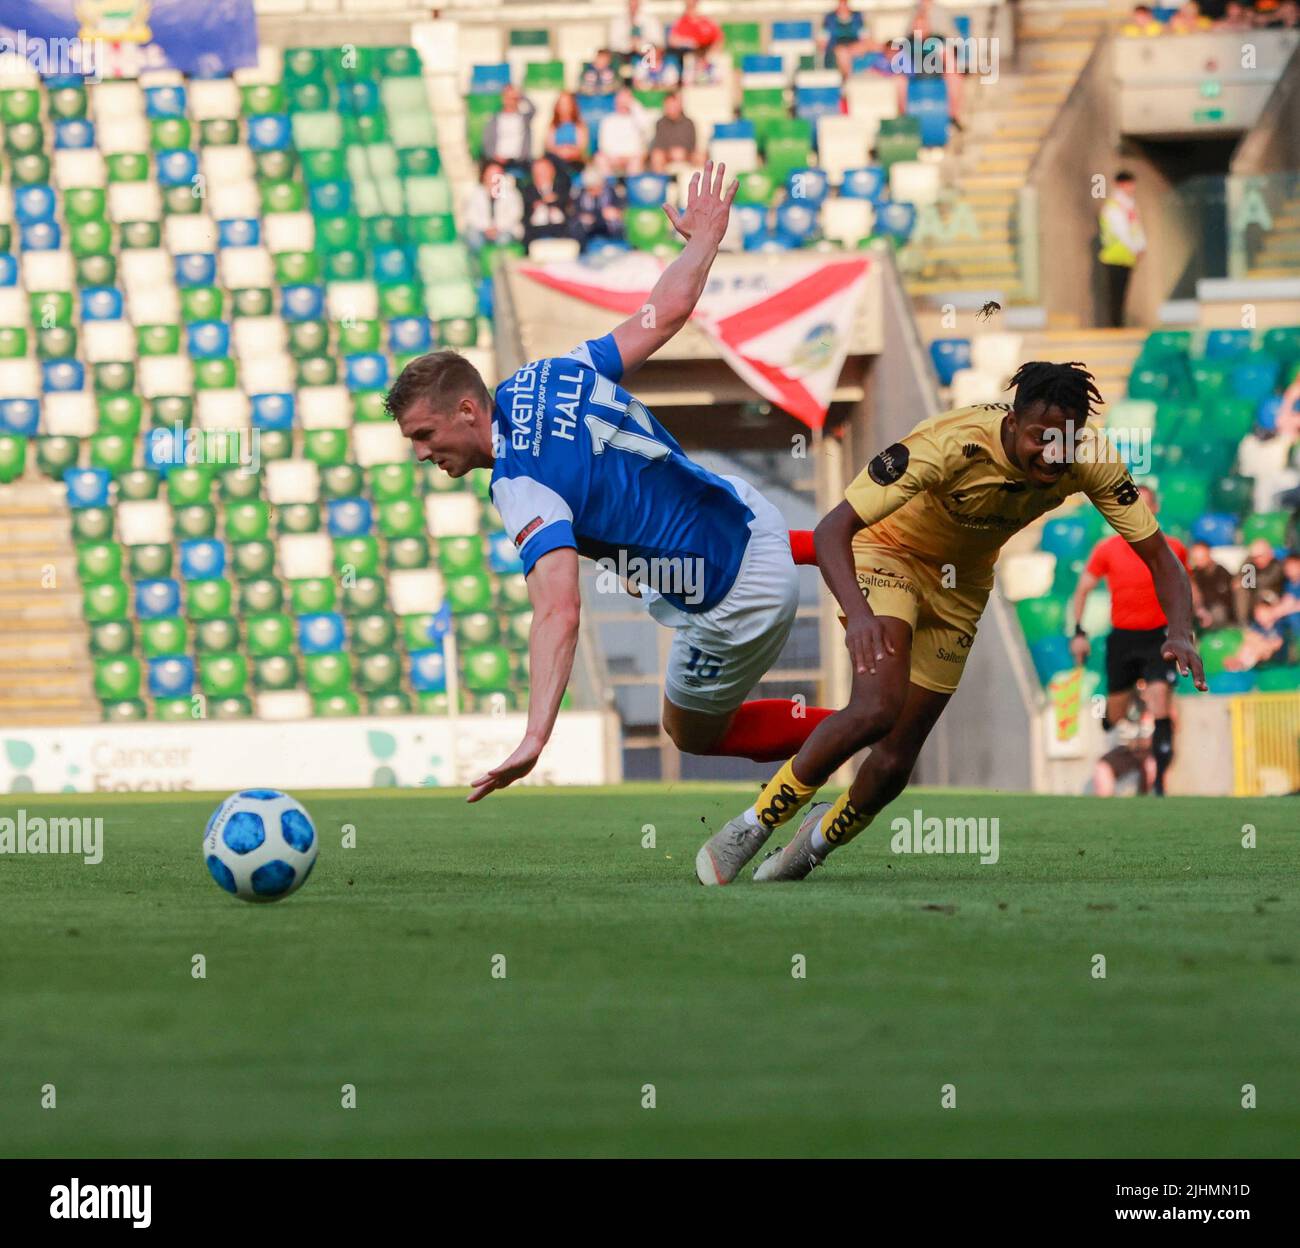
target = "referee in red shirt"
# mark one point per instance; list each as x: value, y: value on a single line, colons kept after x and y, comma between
x: 1136, y: 641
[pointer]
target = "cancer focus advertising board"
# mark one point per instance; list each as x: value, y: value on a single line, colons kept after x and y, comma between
x: 311, y: 754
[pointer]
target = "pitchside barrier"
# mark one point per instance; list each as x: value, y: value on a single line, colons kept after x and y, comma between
x: 307, y: 754
x: 1266, y: 744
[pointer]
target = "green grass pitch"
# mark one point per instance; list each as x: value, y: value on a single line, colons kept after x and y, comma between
x: 622, y: 972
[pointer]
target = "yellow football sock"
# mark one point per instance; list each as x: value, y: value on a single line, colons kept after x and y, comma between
x: 839, y: 825
x: 782, y: 798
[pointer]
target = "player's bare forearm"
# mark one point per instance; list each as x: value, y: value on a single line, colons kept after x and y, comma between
x: 1174, y: 593
x: 833, y: 541
x: 1087, y: 583
x: 552, y: 643
x: 681, y: 284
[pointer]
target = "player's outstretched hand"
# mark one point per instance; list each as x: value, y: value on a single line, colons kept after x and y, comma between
x: 1183, y: 653
x: 518, y: 765
x: 708, y: 205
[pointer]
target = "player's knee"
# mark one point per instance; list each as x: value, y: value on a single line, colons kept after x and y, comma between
x: 864, y: 725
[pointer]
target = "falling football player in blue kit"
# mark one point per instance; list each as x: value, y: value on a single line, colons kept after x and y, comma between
x: 580, y: 467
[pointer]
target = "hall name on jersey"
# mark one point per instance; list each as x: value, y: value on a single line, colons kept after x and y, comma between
x: 528, y: 399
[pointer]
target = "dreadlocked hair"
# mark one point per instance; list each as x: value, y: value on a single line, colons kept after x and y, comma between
x: 1070, y: 387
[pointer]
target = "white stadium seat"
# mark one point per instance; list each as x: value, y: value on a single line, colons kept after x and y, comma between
x: 739, y: 155
x: 222, y: 409
x: 847, y: 221
x: 134, y: 201
x: 227, y: 164
x: 288, y: 231
x: 324, y: 407
x: 283, y: 705
x: 20, y: 377
x: 379, y: 444
x: 291, y: 481
x: 911, y: 182
x: 49, y: 270
x: 242, y: 268
x: 213, y: 99
x: 79, y: 166
x: 184, y: 234
x: 451, y: 515
x: 970, y: 386
x: 305, y: 555
x: 1027, y: 575
x: 415, y: 591
x: 256, y: 337
x: 358, y: 300
x: 165, y: 374
x: 842, y: 143
x: 69, y: 415
x: 144, y: 522
x: 267, y: 374
x: 996, y: 354
x: 106, y: 341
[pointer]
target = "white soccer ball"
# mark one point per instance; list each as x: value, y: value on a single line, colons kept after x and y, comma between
x: 260, y: 845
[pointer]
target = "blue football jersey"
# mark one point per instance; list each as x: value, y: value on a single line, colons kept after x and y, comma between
x: 581, y: 463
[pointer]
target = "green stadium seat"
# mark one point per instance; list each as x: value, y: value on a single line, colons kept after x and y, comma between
x: 126, y: 711
x: 217, y: 636
x: 359, y: 336
x: 298, y: 518
x: 646, y: 228
x: 111, y: 451
x: 208, y: 599
x: 105, y: 600
x: 150, y: 561
x: 408, y: 552
x: 1278, y: 679
x: 742, y: 38
x: 1270, y: 527
x: 398, y: 703
x: 13, y: 457
x: 1217, y: 646
x: 477, y: 628
x: 356, y: 556
x: 119, y: 413
x: 312, y: 595
x: 401, y: 518
x: 99, y: 561
x: 218, y: 132
x: 374, y: 632
x: 260, y: 595
x: 163, y: 636
x: 239, y: 707
x: 201, y: 303
x: 486, y: 669
x: 56, y: 343
x: 327, y: 674
x: 174, y: 710
x: 337, y: 705
x: 326, y: 447
x: 275, y: 671
x: 1041, y: 617
x: 223, y: 675
x: 247, y: 521
x: 458, y: 556
x: 252, y: 560
x: 379, y: 673
x: 198, y: 520
x: 469, y: 592
x: 111, y: 637
x: 92, y: 524
x: 364, y: 595
x: 341, y: 481
x: 85, y: 204
x: 117, y: 678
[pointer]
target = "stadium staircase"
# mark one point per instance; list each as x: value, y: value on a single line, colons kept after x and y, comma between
x: 45, y: 670
x: 1004, y: 126
x: 1108, y: 353
x: 1279, y: 257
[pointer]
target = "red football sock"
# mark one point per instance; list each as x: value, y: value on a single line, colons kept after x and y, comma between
x: 802, y: 548
x: 768, y: 730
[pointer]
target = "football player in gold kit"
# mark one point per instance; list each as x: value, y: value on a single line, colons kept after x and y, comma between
x: 909, y: 556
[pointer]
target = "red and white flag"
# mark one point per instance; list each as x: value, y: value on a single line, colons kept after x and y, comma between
x: 785, y: 330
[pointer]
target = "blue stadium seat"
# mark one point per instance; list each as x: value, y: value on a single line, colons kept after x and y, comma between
x: 157, y: 598
x: 1231, y: 682
x: 101, y: 303
x: 409, y: 335
x: 74, y: 134
x: 171, y: 676
x: 40, y: 236
x: 62, y: 376
x: 486, y: 298
x: 8, y: 269
x: 1267, y: 412
x: 330, y: 198
x: 202, y: 559
x: 761, y: 63
x: 239, y: 232
x: 869, y: 182
x: 177, y: 167
x: 393, y: 263
x: 789, y: 32
x: 1066, y: 537
x: 1223, y: 344
x: 302, y: 303
x: 350, y: 517
x: 811, y: 103
x: 647, y: 190
x: 1051, y: 655
x: 896, y: 220
x: 741, y: 128
x: 21, y: 416
x: 927, y: 101
x: 207, y: 340
x: 752, y: 218
x: 490, y: 78
x: 949, y: 355
x: 1255, y: 379
x: 367, y: 370
x: 196, y: 269
x: 165, y: 101
x: 1215, y: 528
x: 428, y: 671
x: 272, y: 411
x: 87, y: 487
x: 269, y: 132
x: 807, y: 186
x: 322, y: 633
x: 34, y: 204
x: 595, y: 108
x: 797, y: 220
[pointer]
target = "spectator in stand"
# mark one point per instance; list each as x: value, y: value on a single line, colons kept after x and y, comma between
x: 1143, y: 22
x: 1285, y: 16
x: 600, y: 77
x: 1213, y: 582
x: 635, y: 33
x: 598, y: 207
x: 933, y: 21
x: 621, y: 141
x: 568, y: 141
x: 508, y: 138
x: 1189, y: 20
x: 1289, y: 607
x: 842, y: 38
x: 1264, y: 636
x: 1236, y: 16
x: 653, y: 71
x: 1122, y: 244
x: 698, y: 35
x: 548, y: 210
x: 674, y: 139
x: 1260, y: 579
x: 494, y: 210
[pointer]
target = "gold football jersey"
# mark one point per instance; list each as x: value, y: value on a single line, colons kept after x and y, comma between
x: 948, y: 493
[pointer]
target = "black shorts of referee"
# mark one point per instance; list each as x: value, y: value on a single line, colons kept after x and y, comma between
x: 1133, y: 654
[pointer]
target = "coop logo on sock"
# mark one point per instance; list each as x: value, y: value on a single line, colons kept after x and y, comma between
x: 785, y: 799
x: 120, y: 1202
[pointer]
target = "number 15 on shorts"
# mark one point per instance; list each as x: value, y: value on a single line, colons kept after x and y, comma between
x: 703, y: 666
